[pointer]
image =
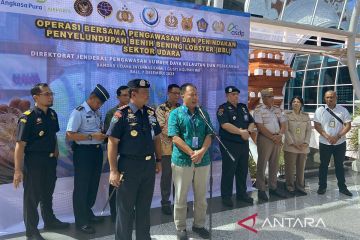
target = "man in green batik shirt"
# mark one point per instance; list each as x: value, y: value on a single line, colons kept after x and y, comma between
x: 124, y: 98
x: 190, y: 160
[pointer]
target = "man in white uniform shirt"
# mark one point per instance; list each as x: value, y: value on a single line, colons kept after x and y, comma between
x: 332, y: 121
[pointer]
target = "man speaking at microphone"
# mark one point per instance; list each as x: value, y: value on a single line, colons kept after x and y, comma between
x: 190, y: 160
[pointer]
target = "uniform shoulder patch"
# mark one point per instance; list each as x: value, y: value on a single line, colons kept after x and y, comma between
x: 117, y: 115
x: 79, y: 108
x: 220, y: 111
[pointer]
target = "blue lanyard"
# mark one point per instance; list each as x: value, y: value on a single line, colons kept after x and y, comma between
x: 192, y: 121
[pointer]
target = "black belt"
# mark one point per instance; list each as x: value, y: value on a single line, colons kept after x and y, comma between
x: 45, y: 154
x: 137, y: 157
x: 88, y: 145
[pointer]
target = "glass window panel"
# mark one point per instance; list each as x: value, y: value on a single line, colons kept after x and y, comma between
x: 310, y: 95
x: 309, y: 108
x: 300, y: 62
x: 322, y: 91
x: 295, y: 92
x: 344, y: 76
x: 314, y: 61
x: 344, y: 94
x: 298, y: 80
x: 312, y: 78
x: 327, y: 76
x: 329, y: 62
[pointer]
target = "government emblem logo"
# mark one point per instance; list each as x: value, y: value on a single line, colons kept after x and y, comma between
x: 202, y: 25
x: 83, y: 7
x: 171, y: 21
x: 124, y: 15
x: 186, y: 23
x: 150, y: 17
x: 104, y: 9
x: 218, y: 26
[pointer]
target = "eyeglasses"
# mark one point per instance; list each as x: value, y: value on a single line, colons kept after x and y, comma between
x: 47, y: 94
x: 175, y: 93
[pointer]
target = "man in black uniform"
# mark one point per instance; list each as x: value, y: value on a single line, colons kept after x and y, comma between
x: 37, y: 143
x: 134, y: 135
x: 236, y: 124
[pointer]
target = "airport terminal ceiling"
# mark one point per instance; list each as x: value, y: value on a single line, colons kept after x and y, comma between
x: 318, y: 42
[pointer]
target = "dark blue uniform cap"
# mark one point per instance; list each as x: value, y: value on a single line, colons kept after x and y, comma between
x: 231, y: 89
x: 138, y: 83
x: 101, y: 93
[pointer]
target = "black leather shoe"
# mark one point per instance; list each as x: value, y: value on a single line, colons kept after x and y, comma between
x: 346, y: 192
x: 321, y: 191
x: 96, y: 219
x: 86, y: 229
x: 262, y: 196
x: 181, y: 235
x: 277, y: 192
x: 227, y: 202
x: 166, y: 209
x: 291, y: 193
x: 245, y: 198
x: 300, y: 192
x: 56, y: 224
x: 202, y: 232
x: 35, y: 236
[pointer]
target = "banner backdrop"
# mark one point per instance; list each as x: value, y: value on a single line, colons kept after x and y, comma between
x: 73, y: 45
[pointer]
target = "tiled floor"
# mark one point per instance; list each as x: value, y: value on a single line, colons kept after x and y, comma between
x: 329, y: 216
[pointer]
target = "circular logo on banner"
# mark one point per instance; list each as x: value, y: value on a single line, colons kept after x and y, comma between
x: 104, y: 9
x: 171, y: 21
x: 125, y: 15
x: 83, y: 7
x: 150, y: 17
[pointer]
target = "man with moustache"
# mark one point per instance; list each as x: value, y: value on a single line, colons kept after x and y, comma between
x: 36, y: 154
x: 133, y: 143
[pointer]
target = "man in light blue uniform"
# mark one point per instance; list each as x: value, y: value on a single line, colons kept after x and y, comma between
x: 85, y: 130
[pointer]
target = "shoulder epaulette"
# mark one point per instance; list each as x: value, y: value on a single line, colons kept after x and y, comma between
x: 305, y: 113
x: 123, y: 107
x: 79, y: 108
x: 287, y: 111
x: 27, y: 113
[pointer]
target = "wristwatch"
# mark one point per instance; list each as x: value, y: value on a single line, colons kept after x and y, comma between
x: 89, y: 137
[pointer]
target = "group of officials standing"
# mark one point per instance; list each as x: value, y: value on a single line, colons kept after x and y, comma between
x: 174, y: 139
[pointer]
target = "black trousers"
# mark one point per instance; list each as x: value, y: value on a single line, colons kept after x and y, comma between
x: 133, y: 198
x: 239, y: 168
x: 338, y: 151
x: 87, y: 166
x: 112, y: 202
x: 166, y: 178
x: 39, y: 185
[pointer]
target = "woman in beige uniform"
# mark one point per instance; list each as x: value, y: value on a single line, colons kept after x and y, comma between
x: 296, y: 147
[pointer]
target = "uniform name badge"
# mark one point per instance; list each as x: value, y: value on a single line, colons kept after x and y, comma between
x: 195, y: 142
x: 297, y: 130
x: 332, y: 123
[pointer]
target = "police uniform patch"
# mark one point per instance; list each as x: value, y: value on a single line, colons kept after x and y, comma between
x: 220, y: 111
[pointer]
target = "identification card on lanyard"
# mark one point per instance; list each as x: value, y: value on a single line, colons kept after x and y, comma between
x: 332, y: 123
x: 195, y: 142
